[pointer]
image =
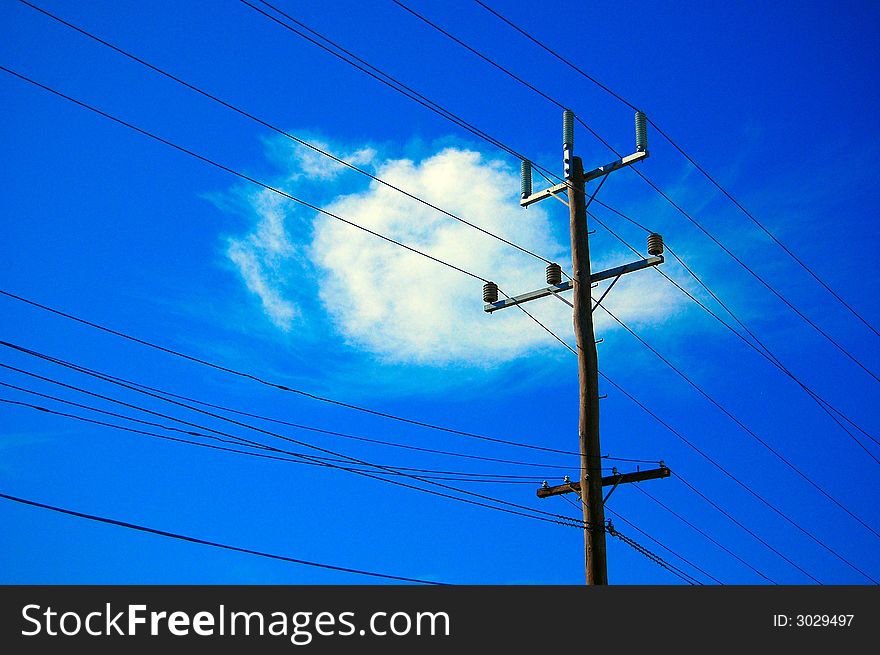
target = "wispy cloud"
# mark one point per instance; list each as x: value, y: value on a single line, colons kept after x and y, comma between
x: 261, y: 255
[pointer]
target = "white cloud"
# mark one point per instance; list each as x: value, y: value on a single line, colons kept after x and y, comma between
x: 401, y: 307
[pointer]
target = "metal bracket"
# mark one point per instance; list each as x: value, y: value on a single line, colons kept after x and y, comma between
x: 601, y: 171
x: 566, y: 286
x: 608, y: 495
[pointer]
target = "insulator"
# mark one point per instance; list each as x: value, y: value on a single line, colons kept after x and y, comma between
x: 641, y: 131
x: 554, y: 274
x: 655, y: 244
x: 526, y: 179
x: 490, y: 292
x: 568, y: 129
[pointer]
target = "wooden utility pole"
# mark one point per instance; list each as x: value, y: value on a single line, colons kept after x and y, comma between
x: 589, y: 487
x: 588, y: 378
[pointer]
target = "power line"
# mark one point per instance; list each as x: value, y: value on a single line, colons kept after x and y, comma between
x: 488, y: 60
x: 310, y: 428
x: 787, y: 250
x: 743, y: 526
x: 632, y: 543
x: 527, y: 478
x: 614, y: 533
x: 234, y: 172
x: 739, y: 423
x: 270, y: 419
x: 326, y: 451
x: 758, y: 346
x: 375, y: 73
x: 558, y: 56
x: 458, y: 476
x: 751, y: 491
x: 675, y: 145
x: 761, y: 279
x: 214, y: 544
x: 302, y: 459
x: 280, y: 131
x: 775, y: 360
x: 240, y: 175
x: 687, y: 215
x: 282, y: 387
x: 461, y: 271
x: 379, y: 75
x: 704, y: 533
x: 274, y: 385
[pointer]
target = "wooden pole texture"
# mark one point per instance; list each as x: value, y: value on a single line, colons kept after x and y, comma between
x: 588, y: 377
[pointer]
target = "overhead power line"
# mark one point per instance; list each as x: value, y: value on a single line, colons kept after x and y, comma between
x: 232, y: 171
x: 739, y: 423
x: 241, y: 175
x: 408, y: 91
x: 382, y: 442
x: 544, y: 467
x: 742, y: 484
x: 274, y: 385
x: 758, y: 345
x: 527, y: 478
x: 654, y: 186
x: 615, y: 533
x: 281, y: 387
x: 703, y: 533
x: 280, y: 131
x: 535, y: 513
x: 690, y: 159
x: 379, y: 75
x: 206, y: 542
x: 744, y: 527
x: 373, y: 72
x: 454, y: 476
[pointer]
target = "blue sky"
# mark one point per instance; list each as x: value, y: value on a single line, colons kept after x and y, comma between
x: 775, y: 101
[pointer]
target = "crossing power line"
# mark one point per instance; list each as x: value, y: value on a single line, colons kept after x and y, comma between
x: 723, y: 409
x: 702, y: 532
x: 846, y: 352
x: 311, y: 146
x: 756, y: 343
x: 518, y: 508
x: 434, y: 474
x: 627, y: 394
x: 767, y: 354
x: 689, y: 158
x: 461, y: 271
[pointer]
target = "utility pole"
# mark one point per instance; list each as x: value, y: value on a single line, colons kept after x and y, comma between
x: 590, y: 485
x: 588, y: 379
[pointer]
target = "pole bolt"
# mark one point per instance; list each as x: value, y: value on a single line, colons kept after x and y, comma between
x: 490, y: 292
